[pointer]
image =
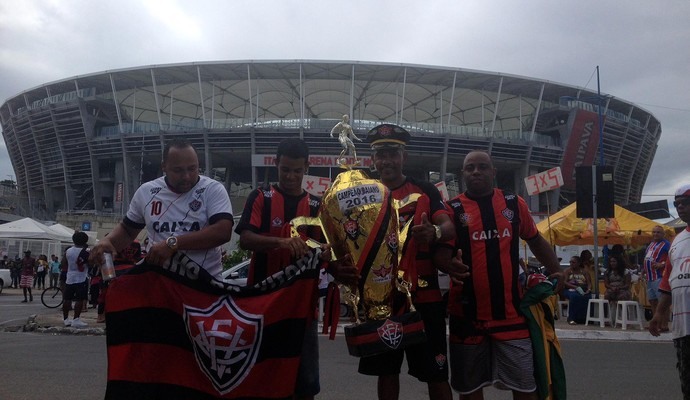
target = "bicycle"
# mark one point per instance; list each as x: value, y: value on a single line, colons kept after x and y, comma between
x: 52, y: 297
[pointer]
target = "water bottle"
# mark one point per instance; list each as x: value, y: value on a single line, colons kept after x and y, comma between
x: 108, y: 268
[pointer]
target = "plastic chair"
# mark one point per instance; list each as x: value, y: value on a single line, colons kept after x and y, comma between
x: 598, y: 310
x: 563, y: 307
x: 629, y: 313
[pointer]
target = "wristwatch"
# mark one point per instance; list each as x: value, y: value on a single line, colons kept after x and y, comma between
x: 171, y: 242
x: 437, y: 232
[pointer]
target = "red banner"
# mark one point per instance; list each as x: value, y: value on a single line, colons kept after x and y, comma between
x: 119, y: 189
x: 582, y: 145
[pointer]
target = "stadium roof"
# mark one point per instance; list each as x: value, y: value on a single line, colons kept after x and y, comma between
x: 375, y: 91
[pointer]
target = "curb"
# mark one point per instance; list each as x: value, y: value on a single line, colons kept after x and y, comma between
x: 33, y: 325
x: 637, y: 336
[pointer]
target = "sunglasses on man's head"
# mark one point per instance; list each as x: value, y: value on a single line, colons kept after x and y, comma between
x: 685, y: 201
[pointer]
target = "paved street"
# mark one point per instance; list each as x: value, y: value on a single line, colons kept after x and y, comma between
x: 50, y: 366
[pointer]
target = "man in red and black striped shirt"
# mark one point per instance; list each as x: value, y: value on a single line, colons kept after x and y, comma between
x: 489, y: 341
x: 265, y: 230
x: 431, y: 224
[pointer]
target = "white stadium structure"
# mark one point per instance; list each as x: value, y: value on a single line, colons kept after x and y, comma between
x: 85, y: 143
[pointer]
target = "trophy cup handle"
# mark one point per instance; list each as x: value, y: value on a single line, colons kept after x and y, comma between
x: 297, y: 222
x: 405, y: 287
x: 351, y: 297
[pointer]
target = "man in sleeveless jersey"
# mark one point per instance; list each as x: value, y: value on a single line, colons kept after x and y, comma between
x: 184, y: 214
x: 431, y: 225
x: 489, y: 341
x: 654, y: 262
x: 674, y: 289
x: 76, y: 285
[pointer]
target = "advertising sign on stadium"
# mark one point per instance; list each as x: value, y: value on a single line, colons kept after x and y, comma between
x: 119, y: 189
x: 267, y: 160
x: 544, y: 181
x: 582, y: 145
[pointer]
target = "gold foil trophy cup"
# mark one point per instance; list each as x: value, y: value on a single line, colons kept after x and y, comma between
x: 357, y: 217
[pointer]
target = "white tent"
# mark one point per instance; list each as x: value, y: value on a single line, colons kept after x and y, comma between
x: 61, y: 230
x: 28, y: 228
x: 27, y: 234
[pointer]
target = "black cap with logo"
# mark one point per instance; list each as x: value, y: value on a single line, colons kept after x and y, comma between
x: 388, y: 136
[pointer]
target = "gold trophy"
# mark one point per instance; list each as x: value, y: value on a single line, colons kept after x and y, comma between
x: 359, y: 217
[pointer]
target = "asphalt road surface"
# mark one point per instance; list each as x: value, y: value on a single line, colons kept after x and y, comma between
x: 45, y: 366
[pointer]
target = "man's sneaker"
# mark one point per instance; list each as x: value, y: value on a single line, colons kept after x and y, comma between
x: 78, y: 323
x: 67, y: 322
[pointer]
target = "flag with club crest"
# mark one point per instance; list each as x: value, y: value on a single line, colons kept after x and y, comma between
x: 177, y: 333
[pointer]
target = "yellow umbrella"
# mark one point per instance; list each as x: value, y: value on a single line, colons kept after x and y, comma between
x: 626, y: 228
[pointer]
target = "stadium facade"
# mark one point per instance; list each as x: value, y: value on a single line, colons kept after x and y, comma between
x: 84, y: 144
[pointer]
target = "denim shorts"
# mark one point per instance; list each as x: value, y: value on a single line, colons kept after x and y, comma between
x: 653, y: 289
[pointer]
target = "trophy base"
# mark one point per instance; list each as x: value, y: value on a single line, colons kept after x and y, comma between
x: 376, y: 337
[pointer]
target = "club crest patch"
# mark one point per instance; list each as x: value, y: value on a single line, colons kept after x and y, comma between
x: 392, y: 242
x: 383, y: 273
x: 351, y: 229
x: 465, y: 219
x: 277, y: 221
x: 226, y: 341
x: 195, y: 205
x: 391, y: 333
x: 440, y: 360
x: 508, y: 213
x: 385, y: 131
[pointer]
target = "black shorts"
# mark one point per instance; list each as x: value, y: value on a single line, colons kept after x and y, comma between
x: 76, y: 291
x: 682, y: 346
x: 426, y: 361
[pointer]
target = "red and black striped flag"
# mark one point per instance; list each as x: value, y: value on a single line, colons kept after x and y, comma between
x: 177, y: 333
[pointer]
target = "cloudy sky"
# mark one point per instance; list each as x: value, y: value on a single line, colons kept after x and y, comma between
x: 642, y: 48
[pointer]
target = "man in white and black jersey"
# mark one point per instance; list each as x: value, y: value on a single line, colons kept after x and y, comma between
x: 674, y: 292
x: 183, y: 213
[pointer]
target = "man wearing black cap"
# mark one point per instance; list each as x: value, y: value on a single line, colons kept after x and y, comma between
x: 431, y: 226
x: 27, y: 277
x: 674, y: 289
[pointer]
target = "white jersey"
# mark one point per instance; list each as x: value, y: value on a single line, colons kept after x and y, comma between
x: 77, y: 268
x: 676, y: 279
x: 165, y: 213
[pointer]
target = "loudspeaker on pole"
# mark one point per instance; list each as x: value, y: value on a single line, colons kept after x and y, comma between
x: 585, y: 189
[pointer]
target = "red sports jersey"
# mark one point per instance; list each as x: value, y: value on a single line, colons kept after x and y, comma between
x: 488, y: 232
x: 268, y: 211
x: 415, y: 254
